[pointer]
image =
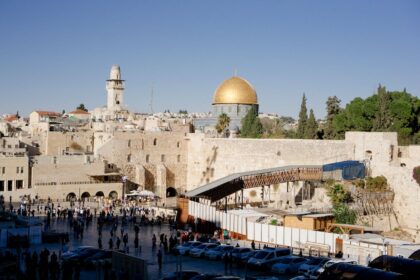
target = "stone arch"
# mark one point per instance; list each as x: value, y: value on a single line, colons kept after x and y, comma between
x: 85, y: 195
x: 113, y: 195
x: 98, y: 194
x: 71, y: 197
x: 171, y: 192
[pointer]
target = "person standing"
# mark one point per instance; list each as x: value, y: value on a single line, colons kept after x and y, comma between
x: 118, y: 242
x: 99, y: 242
x: 136, y: 245
x: 159, y: 257
x: 111, y: 244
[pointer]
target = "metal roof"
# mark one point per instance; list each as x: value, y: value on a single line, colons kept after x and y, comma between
x: 232, y: 183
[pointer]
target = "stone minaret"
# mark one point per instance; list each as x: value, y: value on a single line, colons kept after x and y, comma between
x: 115, y: 89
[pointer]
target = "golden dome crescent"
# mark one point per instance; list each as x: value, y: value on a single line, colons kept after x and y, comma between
x: 235, y: 90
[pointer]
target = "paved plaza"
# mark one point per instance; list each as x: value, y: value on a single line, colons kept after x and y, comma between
x: 90, y: 238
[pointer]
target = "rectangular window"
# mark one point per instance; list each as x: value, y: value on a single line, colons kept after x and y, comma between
x: 128, y: 158
x: 9, y: 185
x: 147, y: 158
x: 179, y: 158
x: 1, y: 186
x: 21, y: 169
x: 19, y: 184
x: 162, y: 158
x: 17, y: 170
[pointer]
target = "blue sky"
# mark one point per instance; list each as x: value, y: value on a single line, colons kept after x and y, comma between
x: 55, y: 55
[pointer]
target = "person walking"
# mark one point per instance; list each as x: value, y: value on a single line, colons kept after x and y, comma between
x: 111, y: 244
x: 136, y: 245
x: 99, y: 242
x: 125, y: 240
x: 253, y: 245
x: 159, y: 258
x: 118, y: 242
x: 154, y: 241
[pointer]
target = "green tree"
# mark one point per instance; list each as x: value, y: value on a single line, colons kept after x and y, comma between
x: 311, y: 131
x: 303, y: 118
x: 333, y: 109
x: 222, y: 123
x: 82, y: 107
x: 344, y: 215
x: 383, y: 118
x: 251, y: 125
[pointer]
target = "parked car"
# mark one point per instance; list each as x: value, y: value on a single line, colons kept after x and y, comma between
x: 184, y: 249
x: 218, y: 252
x: 313, y: 263
x: 238, y: 254
x: 205, y: 277
x: 314, y: 274
x: 105, y: 255
x: 52, y: 236
x: 246, y: 256
x: 80, y: 253
x: 267, y: 257
x: 184, y: 275
x: 288, y: 264
x: 199, y: 251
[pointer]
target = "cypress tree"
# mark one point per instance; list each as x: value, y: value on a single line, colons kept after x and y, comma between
x: 383, y: 118
x: 303, y: 119
x: 333, y: 109
x: 251, y: 125
x: 312, y: 127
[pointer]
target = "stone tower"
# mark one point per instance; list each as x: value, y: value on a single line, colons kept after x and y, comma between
x: 115, y: 89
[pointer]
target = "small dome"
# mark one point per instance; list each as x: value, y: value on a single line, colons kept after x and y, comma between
x: 115, y: 73
x: 235, y: 90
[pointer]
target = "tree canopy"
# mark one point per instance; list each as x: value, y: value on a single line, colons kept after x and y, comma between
x: 251, y: 125
x: 397, y: 111
x: 222, y: 123
x: 82, y: 107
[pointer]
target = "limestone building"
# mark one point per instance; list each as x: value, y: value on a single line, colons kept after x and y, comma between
x: 114, y: 110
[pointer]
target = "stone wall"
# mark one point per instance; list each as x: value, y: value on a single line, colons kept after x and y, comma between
x: 149, y: 159
x: 212, y: 158
x: 57, y: 176
x: 59, y: 143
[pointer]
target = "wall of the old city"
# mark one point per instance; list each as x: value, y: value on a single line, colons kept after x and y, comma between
x: 213, y: 158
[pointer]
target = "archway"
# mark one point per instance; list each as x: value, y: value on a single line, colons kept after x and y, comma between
x: 98, y: 194
x: 171, y: 192
x: 71, y: 197
x: 113, y: 195
x: 85, y: 195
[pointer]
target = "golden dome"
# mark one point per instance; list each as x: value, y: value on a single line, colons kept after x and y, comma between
x: 235, y: 91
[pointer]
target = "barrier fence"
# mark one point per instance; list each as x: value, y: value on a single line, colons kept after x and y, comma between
x: 259, y: 232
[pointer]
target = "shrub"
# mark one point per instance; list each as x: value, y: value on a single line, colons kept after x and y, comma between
x: 344, y: 215
x: 416, y: 174
x: 379, y: 183
x: 338, y: 194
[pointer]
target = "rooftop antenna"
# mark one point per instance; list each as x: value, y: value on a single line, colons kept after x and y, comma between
x: 151, y: 101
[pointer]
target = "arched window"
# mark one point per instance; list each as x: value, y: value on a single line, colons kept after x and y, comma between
x: 162, y: 158
x: 147, y: 158
x: 177, y: 144
x: 154, y: 142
